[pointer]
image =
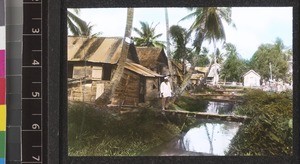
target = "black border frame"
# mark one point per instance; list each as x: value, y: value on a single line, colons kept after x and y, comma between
x: 57, y: 81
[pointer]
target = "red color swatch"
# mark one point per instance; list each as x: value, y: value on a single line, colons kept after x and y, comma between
x: 2, y: 91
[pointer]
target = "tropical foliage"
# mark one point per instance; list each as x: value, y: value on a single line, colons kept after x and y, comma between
x: 77, y: 26
x: 275, y: 54
x: 147, y: 36
x: 181, y: 38
x: 234, y: 66
x: 203, y: 60
x: 208, y: 24
x: 270, y: 131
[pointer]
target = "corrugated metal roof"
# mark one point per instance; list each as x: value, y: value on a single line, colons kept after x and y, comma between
x: 141, y: 70
x: 149, y: 56
x: 97, y: 49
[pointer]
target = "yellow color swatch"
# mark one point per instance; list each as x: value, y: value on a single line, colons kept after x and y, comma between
x: 2, y: 117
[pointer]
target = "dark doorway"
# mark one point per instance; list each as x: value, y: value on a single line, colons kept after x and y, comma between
x: 142, y: 89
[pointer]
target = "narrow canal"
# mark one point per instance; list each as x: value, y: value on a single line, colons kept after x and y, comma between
x: 206, y: 137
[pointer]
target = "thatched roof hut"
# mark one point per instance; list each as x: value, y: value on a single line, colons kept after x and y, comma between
x: 153, y: 58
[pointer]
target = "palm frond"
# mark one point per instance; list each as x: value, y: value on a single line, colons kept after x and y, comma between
x: 73, y: 28
x: 147, y: 36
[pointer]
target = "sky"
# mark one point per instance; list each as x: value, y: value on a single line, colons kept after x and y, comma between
x: 254, y: 25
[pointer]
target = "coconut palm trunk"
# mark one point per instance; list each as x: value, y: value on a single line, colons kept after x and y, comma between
x: 207, y: 25
x: 109, y: 89
x: 168, y: 47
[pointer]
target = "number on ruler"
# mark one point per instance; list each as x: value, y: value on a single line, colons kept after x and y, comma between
x: 35, y: 30
x: 35, y: 94
x: 36, y: 158
x: 35, y: 126
x: 35, y: 62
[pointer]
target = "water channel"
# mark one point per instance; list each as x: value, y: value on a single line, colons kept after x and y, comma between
x: 206, y: 137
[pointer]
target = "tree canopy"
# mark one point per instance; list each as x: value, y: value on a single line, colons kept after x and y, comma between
x: 234, y: 66
x: 276, y: 55
x: 180, y: 37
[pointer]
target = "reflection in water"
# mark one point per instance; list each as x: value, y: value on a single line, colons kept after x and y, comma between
x: 213, y: 138
x: 207, y: 138
x: 219, y: 107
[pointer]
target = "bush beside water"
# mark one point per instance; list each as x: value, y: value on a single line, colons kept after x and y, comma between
x: 191, y: 104
x: 94, y: 132
x: 270, y: 131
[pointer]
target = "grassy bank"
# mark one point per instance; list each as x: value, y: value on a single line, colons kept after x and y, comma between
x: 94, y: 132
x: 270, y: 130
x: 191, y: 104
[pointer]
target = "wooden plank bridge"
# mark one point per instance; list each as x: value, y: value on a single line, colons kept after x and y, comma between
x: 204, y: 115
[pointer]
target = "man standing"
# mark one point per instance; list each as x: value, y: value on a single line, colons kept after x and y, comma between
x: 165, y: 93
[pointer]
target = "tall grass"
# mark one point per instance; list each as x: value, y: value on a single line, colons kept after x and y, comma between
x: 95, y: 132
x: 192, y: 104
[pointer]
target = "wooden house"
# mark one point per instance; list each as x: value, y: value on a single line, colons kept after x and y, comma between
x: 91, y: 63
x: 251, y: 79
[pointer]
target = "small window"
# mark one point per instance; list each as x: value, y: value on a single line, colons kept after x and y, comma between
x: 97, y: 72
x: 81, y: 71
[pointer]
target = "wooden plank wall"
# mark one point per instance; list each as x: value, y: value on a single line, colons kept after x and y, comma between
x: 127, y: 93
x: 84, y: 91
x: 152, y: 89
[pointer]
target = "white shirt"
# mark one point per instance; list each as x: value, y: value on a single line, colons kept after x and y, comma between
x: 165, y: 89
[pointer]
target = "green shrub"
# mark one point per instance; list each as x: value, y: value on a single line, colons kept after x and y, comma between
x: 191, y: 104
x: 268, y: 133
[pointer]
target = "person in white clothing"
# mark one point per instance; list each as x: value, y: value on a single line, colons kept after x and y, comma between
x: 165, y: 93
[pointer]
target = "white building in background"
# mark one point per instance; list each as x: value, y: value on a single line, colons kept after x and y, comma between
x: 251, y: 79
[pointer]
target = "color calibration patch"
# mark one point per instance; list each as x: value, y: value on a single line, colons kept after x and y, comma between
x: 2, y: 84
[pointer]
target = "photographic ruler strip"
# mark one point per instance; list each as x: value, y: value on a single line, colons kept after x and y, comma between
x: 32, y: 83
x: 14, y: 31
x: 2, y: 83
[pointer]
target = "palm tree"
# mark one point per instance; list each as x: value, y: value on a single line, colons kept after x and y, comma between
x: 168, y: 47
x: 147, y: 36
x: 181, y: 38
x: 203, y: 58
x: 77, y: 26
x: 110, y: 89
x: 207, y: 26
